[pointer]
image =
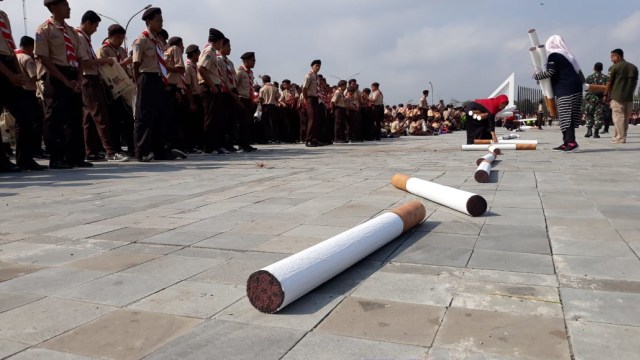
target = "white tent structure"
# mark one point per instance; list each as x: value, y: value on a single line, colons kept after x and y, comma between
x: 508, y: 87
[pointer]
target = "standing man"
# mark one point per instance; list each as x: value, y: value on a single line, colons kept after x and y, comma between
x: 96, y: 121
x: 193, y: 135
x: 310, y: 94
x: 29, y: 125
x: 377, y: 112
x: 594, y: 106
x: 229, y: 96
x: 59, y: 56
x: 177, y: 107
x: 269, y: 96
x: 423, y: 104
x: 210, y: 81
x: 623, y: 80
x: 150, y: 75
x: 540, y: 115
x: 120, y: 114
x: 247, y: 100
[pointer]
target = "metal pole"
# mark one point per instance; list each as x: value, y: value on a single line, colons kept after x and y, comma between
x: 432, y: 103
x: 126, y: 28
x: 24, y: 13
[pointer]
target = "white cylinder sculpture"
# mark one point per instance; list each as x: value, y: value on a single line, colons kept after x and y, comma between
x: 490, y: 157
x: 483, y: 173
x: 514, y: 141
x: 460, y: 200
x: 277, y: 285
x: 533, y: 36
x: 499, y: 146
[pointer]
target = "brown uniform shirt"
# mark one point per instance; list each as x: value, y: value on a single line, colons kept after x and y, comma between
x: 4, y: 46
x: 376, y: 98
x: 338, y: 98
x: 50, y: 44
x: 269, y: 94
x: 209, y: 61
x: 108, y: 51
x: 28, y: 67
x: 288, y: 97
x: 311, y: 84
x: 145, y: 52
x: 87, y: 53
x: 357, y: 95
x: 191, y: 77
x: 227, y: 69
x: 245, y: 83
x: 173, y: 57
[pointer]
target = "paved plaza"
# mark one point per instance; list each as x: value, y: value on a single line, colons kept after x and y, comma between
x: 150, y: 260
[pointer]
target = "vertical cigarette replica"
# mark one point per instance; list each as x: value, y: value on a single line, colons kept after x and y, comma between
x: 460, y: 200
x: 277, y: 285
x: 539, y: 58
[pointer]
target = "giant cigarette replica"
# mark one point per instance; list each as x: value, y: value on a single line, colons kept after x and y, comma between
x: 539, y: 58
x: 500, y: 142
x: 483, y: 173
x: 277, y: 285
x: 498, y: 146
x: 460, y: 200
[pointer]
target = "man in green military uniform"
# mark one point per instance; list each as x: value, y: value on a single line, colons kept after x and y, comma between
x: 594, y: 105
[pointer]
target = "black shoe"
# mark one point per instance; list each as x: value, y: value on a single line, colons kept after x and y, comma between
x: 320, y: 143
x: 97, y: 157
x: 340, y: 141
x: 62, y: 165
x: 146, y: 158
x: 605, y: 132
x: 589, y: 133
x: 231, y: 149
x: 571, y: 147
x: 179, y: 153
x: 9, y: 167
x: 83, y: 164
x: 311, y: 144
x: 562, y: 147
x: 33, y: 166
x: 595, y: 134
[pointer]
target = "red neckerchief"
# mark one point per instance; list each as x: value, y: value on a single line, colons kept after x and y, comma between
x: 117, y: 50
x: 6, y: 35
x: 93, y: 53
x: 19, y: 51
x: 249, y: 73
x: 70, y: 50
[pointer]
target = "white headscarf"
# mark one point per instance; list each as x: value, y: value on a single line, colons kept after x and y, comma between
x: 556, y: 44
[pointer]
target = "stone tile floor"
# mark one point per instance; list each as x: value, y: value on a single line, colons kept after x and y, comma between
x: 132, y: 261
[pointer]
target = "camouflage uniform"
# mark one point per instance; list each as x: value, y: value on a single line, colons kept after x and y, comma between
x: 594, y: 105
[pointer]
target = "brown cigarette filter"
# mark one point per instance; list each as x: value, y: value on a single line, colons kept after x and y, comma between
x: 526, y: 146
x: 482, y: 142
x: 400, y: 181
x: 551, y: 107
x: 412, y: 214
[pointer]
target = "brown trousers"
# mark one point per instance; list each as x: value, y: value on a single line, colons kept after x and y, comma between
x: 95, y: 116
x: 313, y: 119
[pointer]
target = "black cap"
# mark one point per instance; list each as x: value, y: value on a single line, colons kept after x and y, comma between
x: 248, y: 55
x: 191, y: 49
x: 316, y: 62
x: 116, y: 29
x: 51, y: 2
x: 215, y: 35
x: 150, y: 13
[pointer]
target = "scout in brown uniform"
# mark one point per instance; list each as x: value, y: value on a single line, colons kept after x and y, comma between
x: 120, y: 113
x: 377, y: 112
x: 247, y: 100
x: 29, y: 126
x: 177, y: 107
x: 310, y: 94
x: 11, y: 82
x: 354, y: 117
x: 149, y: 73
x: 229, y: 96
x: 96, y: 121
x: 366, y: 125
x: 59, y: 57
x: 288, y: 103
x: 339, y: 108
x: 268, y: 96
x: 210, y: 81
x: 193, y: 136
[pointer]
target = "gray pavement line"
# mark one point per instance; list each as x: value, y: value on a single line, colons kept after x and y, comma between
x: 526, y: 298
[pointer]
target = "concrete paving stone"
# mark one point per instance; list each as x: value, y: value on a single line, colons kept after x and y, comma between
x: 129, y: 234
x: 122, y: 334
x: 409, y: 288
x: 448, y: 222
x: 12, y: 250
x: 595, y: 248
x: 84, y: 231
x: 595, y: 341
x: 41, y: 320
x: 178, y: 237
x: 513, y: 298
x: 604, y: 233
x: 303, y: 314
x: 116, y: 289
x: 602, y: 268
x: 95, y: 244
x: 419, y: 249
x: 506, y: 277
x: 49, y: 281
x: 10, y: 270
x: 387, y: 321
x: 148, y: 249
x: 191, y: 299
x: 207, y: 253
x: 230, y: 340
x: 10, y: 301
x: 56, y: 255
x: 266, y: 227
x: 335, y: 220
x: 516, y: 244
x: 237, y: 270
x: 630, y: 236
x: 438, y: 353
x: 577, y: 222
x: 163, y: 222
x: 521, y: 217
x: 173, y: 267
x: 321, y: 346
x: 217, y: 224
x: 514, y: 230
x: 511, y: 261
x: 234, y: 241
x: 42, y: 354
x: 582, y: 212
x: 8, y: 348
x: 46, y: 239
x: 288, y: 244
x: 112, y: 261
x: 503, y: 334
x: 603, y: 307
x: 318, y: 231
x: 210, y: 210
x: 347, y: 281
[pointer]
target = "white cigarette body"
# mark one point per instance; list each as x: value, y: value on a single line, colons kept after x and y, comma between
x: 490, y: 158
x: 533, y: 36
x: 277, y: 285
x: 483, y: 173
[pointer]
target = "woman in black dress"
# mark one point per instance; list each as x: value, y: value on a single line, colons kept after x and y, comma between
x: 486, y: 109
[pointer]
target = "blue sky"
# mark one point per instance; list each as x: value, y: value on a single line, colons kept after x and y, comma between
x: 464, y: 48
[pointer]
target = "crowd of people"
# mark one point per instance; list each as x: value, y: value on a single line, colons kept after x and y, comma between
x: 184, y: 99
